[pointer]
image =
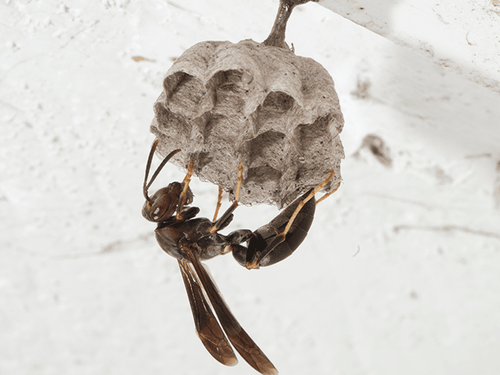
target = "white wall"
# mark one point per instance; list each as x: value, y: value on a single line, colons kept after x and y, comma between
x: 460, y: 35
x: 400, y: 273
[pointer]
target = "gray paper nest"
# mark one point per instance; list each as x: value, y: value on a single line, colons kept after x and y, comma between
x: 261, y: 105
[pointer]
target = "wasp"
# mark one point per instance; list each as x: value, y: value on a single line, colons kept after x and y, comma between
x: 192, y: 239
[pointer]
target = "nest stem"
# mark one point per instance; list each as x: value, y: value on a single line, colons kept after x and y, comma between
x: 277, y: 36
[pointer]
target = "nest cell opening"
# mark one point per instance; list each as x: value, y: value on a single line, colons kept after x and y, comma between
x: 178, y: 128
x: 229, y: 88
x: 315, y: 136
x: 278, y: 102
x: 262, y: 179
x: 263, y: 174
x: 267, y: 149
x: 184, y: 93
x: 313, y: 139
x: 273, y: 112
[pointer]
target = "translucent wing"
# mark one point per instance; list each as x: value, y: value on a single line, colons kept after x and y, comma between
x: 247, y: 348
x: 206, y: 324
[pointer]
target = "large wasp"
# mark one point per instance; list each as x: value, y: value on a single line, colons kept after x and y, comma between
x: 191, y: 240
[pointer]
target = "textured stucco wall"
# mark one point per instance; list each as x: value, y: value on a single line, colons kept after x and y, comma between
x: 400, y: 273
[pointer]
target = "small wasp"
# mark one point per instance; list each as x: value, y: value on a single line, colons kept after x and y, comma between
x: 191, y: 240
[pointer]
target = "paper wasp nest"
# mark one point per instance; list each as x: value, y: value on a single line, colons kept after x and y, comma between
x: 260, y: 104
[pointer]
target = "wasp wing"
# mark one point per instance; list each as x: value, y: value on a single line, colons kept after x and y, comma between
x: 247, y: 348
x: 206, y: 324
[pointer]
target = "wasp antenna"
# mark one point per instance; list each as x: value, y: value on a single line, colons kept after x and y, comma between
x: 148, y: 167
x: 158, y: 170
x: 160, y: 167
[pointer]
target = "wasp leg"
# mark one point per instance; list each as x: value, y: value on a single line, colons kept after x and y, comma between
x: 280, y: 237
x: 226, y: 216
x: 219, y: 203
x: 183, y: 196
x: 328, y: 194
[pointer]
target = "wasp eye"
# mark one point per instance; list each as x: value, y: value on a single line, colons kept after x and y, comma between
x: 156, y: 212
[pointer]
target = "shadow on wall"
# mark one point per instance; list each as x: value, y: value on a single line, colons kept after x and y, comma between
x: 445, y: 116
